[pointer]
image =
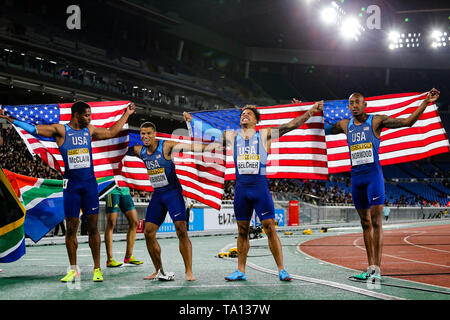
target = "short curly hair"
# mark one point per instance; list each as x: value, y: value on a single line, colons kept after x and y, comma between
x: 255, y: 111
x: 148, y: 124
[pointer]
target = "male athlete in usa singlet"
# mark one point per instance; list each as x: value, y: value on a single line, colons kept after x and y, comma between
x: 363, y: 137
x: 252, y: 190
x: 250, y: 151
x: 80, y: 184
x: 168, y: 194
x: 367, y: 175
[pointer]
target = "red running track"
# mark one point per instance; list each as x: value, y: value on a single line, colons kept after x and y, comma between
x: 419, y: 254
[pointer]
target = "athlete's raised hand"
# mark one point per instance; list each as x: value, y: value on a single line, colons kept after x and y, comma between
x: 318, y: 106
x: 130, y: 108
x: 432, y: 95
x: 187, y: 116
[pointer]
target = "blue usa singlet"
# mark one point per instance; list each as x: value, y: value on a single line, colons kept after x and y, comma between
x: 80, y: 185
x: 250, y: 159
x: 76, y: 152
x: 252, y: 190
x: 160, y: 170
x: 168, y: 194
x: 367, y: 175
x: 363, y: 145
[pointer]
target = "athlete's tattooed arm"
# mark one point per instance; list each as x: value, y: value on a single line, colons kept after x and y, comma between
x: 300, y: 120
x: 388, y: 122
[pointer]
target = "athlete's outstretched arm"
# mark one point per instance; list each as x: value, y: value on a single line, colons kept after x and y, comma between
x: 335, y: 128
x: 388, y: 122
x: 45, y: 130
x: 103, y: 133
x: 135, y: 150
x: 300, y: 120
x: 197, y: 146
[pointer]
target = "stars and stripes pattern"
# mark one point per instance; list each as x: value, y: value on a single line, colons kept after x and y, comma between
x: 200, y: 175
x: 106, y: 154
x: 426, y: 138
x: 299, y: 154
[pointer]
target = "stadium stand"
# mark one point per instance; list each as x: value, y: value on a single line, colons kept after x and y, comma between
x: 148, y: 71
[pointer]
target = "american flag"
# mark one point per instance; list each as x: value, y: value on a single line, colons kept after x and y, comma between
x: 201, y: 174
x: 426, y: 138
x: 299, y: 154
x: 201, y: 178
x: 106, y: 154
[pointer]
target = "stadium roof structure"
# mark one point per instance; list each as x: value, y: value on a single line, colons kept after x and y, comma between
x: 295, y: 24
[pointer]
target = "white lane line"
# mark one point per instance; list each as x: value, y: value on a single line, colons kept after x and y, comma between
x: 339, y: 266
x: 400, y: 258
x: 231, y: 285
x: 319, y: 281
x: 405, y: 239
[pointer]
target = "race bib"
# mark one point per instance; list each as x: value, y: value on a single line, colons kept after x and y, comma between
x: 79, y: 158
x: 248, y: 163
x: 362, y: 153
x: 158, y: 177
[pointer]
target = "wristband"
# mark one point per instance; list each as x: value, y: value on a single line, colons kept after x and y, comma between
x: 25, y: 126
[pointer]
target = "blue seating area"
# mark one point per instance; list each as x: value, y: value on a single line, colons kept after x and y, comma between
x: 409, y: 183
x: 424, y: 191
x: 340, y: 185
x: 441, y: 188
x: 412, y: 170
x: 395, y: 171
x: 394, y: 193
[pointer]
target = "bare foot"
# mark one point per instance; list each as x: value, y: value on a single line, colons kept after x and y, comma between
x: 190, y: 277
x: 151, y: 276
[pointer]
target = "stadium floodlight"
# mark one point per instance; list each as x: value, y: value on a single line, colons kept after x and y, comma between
x: 436, y: 34
x: 329, y: 15
x: 403, y: 40
x: 394, y: 36
x: 351, y: 28
x: 439, y: 39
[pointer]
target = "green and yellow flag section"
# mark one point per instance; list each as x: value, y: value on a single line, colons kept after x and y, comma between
x: 12, y: 218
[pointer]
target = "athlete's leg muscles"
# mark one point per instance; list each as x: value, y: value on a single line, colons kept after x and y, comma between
x: 71, y: 239
x: 94, y: 238
x: 153, y: 247
x: 376, y: 216
x: 243, y: 243
x: 366, y: 224
x: 131, y: 233
x: 185, y: 246
x: 274, y: 242
x: 111, y: 219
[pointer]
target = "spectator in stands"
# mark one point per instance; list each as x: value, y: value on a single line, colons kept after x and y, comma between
x: 386, y: 211
x: 15, y: 157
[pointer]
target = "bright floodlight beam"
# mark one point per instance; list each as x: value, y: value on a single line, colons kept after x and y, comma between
x: 329, y: 15
x: 436, y: 34
x: 350, y: 29
x: 393, y: 36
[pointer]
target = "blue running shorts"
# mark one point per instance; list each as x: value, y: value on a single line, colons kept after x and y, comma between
x: 169, y: 200
x: 368, y: 190
x: 80, y: 195
x: 249, y: 197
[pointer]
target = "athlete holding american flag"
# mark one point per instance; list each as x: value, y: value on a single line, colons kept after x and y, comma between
x: 74, y: 141
x: 250, y: 152
x: 363, y: 133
